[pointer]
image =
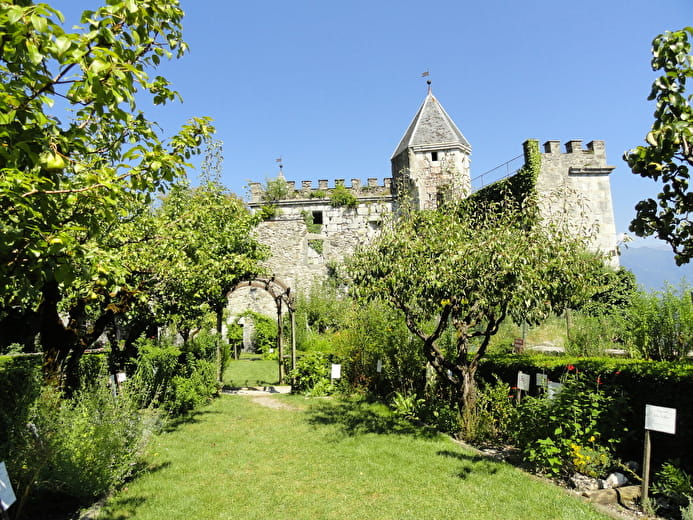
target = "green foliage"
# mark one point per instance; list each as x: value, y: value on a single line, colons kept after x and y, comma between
x: 311, y: 375
x: 318, y: 194
x: 614, y: 293
x: 177, y: 380
x: 342, y: 197
x: 494, y: 415
x: 310, y: 225
x: 659, y: 325
x: 673, y: 487
x: 407, y: 406
x: 79, y: 158
x: 576, y: 430
x: 376, y: 332
x: 317, y: 245
x: 668, y: 155
x: 82, y: 446
x: 205, y: 247
x: 275, y: 190
x: 591, y: 335
x: 520, y: 188
x: 324, y: 308
x: 264, y: 335
x: 459, y: 269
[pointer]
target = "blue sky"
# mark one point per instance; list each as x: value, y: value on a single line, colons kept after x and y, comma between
x: 330, y: 87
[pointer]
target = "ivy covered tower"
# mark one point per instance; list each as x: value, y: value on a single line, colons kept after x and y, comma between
x: 431, y: 162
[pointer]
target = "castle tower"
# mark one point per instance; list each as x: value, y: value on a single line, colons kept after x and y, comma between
x: 431, y: 162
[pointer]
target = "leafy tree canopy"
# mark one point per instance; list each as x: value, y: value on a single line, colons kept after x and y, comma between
x: 77, y: 156
x: 668, y: 154
x: 454, y: 267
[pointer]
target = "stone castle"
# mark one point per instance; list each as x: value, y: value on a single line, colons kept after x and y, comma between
x: 311, y: 230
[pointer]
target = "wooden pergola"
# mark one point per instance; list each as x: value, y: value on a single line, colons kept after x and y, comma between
x: 281, y: 293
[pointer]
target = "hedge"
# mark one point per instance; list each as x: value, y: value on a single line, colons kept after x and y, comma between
x: 668, y: 384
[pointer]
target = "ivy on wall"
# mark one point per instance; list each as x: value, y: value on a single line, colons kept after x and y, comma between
x: 521, y: 187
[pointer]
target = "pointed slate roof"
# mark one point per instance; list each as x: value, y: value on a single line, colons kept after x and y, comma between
x: 432, y: 128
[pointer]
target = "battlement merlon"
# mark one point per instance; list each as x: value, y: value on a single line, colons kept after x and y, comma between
x: 307, y: 191
x: 590, y: 161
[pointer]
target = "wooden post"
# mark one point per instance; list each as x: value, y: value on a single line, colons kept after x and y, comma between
x: 280, y: 331
x: 293, y: 340
x: 645, y: 469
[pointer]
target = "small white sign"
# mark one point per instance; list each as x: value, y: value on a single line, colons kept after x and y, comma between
x: 523, y: 381
x: 336, y: 371
x: 7, y: 497
x: 553, y: 389
x: 542, y: 380
x: 379, y: 366
x: 660, y: 419
x: 120, y: 376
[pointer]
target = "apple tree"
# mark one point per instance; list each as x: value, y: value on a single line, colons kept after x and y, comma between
x: 78, y: 157
x: 470, y: 270
x: 668, y: 154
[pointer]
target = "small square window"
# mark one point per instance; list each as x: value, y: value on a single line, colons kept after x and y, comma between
x: 434, y: 156
x: 317, y: 217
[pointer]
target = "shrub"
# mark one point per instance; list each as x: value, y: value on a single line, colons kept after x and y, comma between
x: 312, y: 370
x: 342, y: 197
x: 591, y: 335
x: 264, y: 335
x: 494, y: 414
x: 576, y: 430
x: 659, y: 325
x: 174, y: 379
x: 83, y: 446
x: 673, y: 488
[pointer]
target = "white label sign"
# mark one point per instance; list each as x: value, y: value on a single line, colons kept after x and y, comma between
x: 7, y: 497
x: 336, y: 371
x: 542, y: 380
x: 660, y: 419
x: 523, y: 381
x: 379, y: 366
x: 121, y: 377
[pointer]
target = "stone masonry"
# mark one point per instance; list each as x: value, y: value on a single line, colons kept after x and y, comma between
x: 431, y: 162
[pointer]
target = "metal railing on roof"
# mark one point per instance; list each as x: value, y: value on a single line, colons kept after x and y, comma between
x: 498, y: 173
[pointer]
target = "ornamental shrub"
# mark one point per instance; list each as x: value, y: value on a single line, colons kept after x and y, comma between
x: 576, y: 430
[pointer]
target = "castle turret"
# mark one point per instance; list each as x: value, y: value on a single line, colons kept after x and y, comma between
x: 432, y: 160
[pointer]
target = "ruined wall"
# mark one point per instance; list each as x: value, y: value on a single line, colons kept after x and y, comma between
x: 300, y: 257
x: 575, y: 185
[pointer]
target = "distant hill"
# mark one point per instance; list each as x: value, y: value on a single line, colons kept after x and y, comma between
x: 653, y: 267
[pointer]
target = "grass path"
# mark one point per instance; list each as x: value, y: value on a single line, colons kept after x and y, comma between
x: 323, y: 459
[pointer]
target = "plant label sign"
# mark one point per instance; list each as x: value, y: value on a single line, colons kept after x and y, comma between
x: 660, y: 419
x: 336, y: 371
x: 523, y: 381
x: 542, y: 380
x: 7, y: 497
x: 379, y: 366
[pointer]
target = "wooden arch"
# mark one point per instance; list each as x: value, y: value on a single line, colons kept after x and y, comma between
x: 281, y: 294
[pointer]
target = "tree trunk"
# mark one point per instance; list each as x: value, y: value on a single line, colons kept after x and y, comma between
x: 56, y: 341
x: 467, y: 401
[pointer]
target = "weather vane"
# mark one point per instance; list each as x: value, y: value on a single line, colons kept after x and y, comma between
x: 428, y: 81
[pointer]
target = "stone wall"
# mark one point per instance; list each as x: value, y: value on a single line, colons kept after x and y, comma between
x: 575, y: 185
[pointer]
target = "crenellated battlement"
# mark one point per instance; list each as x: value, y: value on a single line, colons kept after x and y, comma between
x: 574, y: 146
x: 307, y: 191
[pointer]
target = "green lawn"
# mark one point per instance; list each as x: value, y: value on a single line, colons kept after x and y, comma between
x: 251, y: 370
x: 325, y: 459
